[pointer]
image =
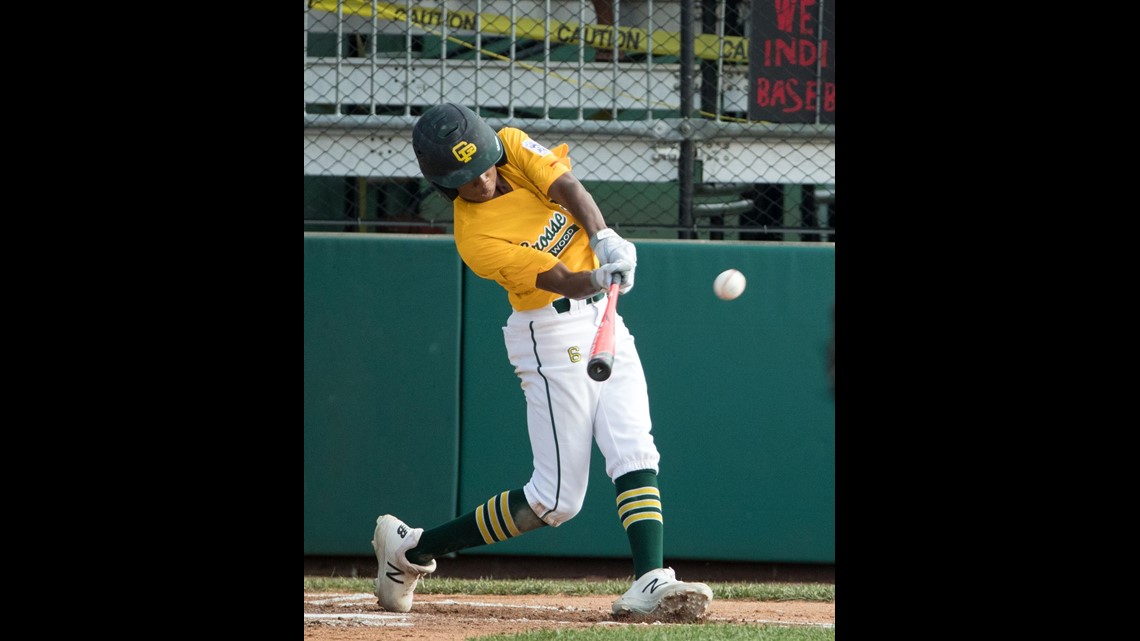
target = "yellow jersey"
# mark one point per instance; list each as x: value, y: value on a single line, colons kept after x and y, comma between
x: 513, y: 238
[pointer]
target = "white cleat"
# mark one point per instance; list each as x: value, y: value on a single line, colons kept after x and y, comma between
x: 397, y: 579
x: 659, y: 595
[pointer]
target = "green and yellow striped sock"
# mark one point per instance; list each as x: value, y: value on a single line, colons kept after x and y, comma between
x: 639, y: 508
x: 489, y: 523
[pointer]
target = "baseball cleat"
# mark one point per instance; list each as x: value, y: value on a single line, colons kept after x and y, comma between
x: 659, y: 595
x: 397, y: 578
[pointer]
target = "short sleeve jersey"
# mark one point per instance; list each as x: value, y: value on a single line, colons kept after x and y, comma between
x: 513, y: 238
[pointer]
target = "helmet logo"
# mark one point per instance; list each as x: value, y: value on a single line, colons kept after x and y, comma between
x: 464, y: 151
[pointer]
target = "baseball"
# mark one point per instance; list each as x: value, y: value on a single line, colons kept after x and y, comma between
x: 729, y: 284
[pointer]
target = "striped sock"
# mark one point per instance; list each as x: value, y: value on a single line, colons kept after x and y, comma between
x: 489, y: 523
x: 639, y: 508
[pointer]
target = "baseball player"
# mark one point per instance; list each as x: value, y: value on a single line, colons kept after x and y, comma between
x: 523, y: 220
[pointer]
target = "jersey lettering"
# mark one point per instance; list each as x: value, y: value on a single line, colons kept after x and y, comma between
x: 564, y: 241
x: 464, y: 151
x: 556, y: 223
x: 575, y: 354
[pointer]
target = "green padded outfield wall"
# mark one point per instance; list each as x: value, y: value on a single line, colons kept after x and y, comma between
x: 739, y: 393
x: 742, y: 410
x: 381, y: 385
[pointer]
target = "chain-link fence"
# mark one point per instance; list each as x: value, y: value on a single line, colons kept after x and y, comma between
x: 709, y: 119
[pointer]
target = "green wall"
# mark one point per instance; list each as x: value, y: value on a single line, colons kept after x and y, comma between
x: 742, y: 412
x: 382, y: 329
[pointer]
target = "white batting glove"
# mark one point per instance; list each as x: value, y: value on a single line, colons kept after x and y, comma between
x: 610, y: 248
x: 604, y: 275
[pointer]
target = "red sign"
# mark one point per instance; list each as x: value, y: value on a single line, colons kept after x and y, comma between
x: 791, y: 61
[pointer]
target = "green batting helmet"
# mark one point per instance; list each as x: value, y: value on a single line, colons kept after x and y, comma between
x: 454, y: 146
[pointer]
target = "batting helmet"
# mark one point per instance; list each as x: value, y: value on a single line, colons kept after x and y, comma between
x: 455, y: 146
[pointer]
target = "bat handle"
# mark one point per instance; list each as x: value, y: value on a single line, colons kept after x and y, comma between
x: 601, y: 364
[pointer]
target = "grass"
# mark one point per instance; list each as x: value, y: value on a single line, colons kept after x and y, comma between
x: 578, y: 587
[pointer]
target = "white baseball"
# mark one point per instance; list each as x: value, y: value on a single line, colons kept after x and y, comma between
x: 729, y: 284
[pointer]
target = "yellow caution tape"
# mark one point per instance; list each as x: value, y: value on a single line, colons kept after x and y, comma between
x: 630, y: 40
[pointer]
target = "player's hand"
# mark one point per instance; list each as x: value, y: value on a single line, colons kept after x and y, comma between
x: 604, y: 275
x: 610, y: 248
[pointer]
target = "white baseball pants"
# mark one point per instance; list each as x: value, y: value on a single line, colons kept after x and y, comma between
x: 567, y: 410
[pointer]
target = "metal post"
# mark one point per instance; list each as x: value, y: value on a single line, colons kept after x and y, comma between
x: 685, y: 164
x: 709, y: 103
x: 708, y: 67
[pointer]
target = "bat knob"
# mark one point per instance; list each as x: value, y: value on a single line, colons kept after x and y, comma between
x: 599, y: 370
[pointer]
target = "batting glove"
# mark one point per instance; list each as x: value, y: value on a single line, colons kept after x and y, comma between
x: 606, y: 274
x: 610, y: 248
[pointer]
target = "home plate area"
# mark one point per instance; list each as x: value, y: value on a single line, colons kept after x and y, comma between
x: 362, y: 609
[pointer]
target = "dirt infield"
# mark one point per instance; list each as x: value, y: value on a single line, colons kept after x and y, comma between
x: 455, y: 617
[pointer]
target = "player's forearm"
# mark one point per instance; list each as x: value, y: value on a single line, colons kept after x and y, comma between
x: 572, y: 195
x: 560, y: 280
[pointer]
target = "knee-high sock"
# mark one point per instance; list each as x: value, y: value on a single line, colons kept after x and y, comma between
x: 489, y: 523
x: 639, y: 508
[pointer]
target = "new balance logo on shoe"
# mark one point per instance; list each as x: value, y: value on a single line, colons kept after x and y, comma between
x: 394, y: 573
x: 659, y: 595
x: 395, y: 584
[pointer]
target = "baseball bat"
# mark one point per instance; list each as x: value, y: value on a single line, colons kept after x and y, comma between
x: 602, y: 352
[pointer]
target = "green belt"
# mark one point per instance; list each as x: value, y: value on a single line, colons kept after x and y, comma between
x: 562, y: 305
